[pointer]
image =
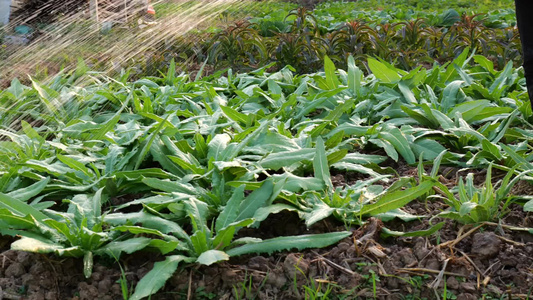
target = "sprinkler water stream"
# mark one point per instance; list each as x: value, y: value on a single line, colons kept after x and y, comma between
x: 79, y: 36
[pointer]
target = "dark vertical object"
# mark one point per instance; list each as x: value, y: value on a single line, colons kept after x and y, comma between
x: 524, y: 11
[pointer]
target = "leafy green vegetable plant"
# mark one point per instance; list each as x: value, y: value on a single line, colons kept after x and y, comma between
x: 78, y: 232
x: 475, y: 205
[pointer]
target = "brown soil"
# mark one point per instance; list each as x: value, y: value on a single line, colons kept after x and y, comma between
x: 488, y: 261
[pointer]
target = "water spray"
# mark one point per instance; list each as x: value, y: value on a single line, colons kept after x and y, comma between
x: 82, y: 35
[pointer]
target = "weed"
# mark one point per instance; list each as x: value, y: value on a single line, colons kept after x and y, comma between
x: 246, y: 289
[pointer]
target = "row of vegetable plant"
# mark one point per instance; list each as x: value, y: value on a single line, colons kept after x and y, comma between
x: 300, y: 40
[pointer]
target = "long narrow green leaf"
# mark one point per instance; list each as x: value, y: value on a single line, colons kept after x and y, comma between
x: 396, y: 199
x: 156, y: 278
x: 170, y: 186
x: 197, y: 211
x: 20, y: 208
x: 320, y: 164
x: 400, y: 143
x: 147, y: 220
x: 148, y: 144
x: 231, y: 210
x: 276, y: 161
x: 29, y: 192
x: 290, y: 242
x: 355, y: 76
x: 331, y: 78
x: 382, y: 72
x: 255, y: 200
x: 8, y: 219
x: 115, y: 248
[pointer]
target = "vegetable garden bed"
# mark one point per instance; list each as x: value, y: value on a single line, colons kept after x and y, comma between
x: 179, y: 166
